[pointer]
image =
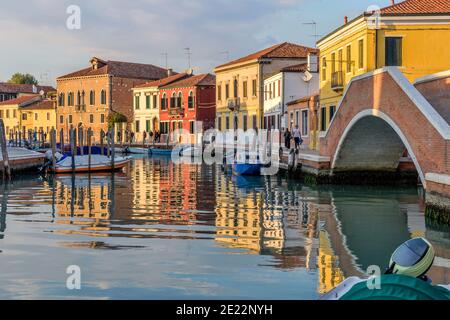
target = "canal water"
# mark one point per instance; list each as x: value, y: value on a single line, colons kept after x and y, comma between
x: 188, y: 231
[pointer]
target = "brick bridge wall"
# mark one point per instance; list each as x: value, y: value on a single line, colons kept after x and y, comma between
x: 387, y: 95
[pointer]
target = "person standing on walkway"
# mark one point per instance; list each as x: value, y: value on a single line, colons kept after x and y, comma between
x: 287, y: 138
x: 297, y: 137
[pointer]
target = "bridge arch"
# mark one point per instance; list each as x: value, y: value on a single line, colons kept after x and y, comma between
x: 372, y: 140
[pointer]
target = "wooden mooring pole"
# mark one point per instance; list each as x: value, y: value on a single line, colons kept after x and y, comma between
x: 53, y: 143
x: 5, y: 158
x: 73, y: 146
x: 102, y: 137
x: 113, y: 148
x: 89, y: 144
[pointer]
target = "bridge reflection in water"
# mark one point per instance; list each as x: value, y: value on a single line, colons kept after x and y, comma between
x: 328, y: 232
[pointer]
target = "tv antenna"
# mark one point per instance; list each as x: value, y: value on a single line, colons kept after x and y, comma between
x: 188, y: 53
x: 165, y: 54
x: 315, y: 35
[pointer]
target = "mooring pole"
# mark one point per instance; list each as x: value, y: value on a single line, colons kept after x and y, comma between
x: 61, y: 140
x: 53, y: 142
x: 113, y: 149
x: 102, y: 136
x: 108, y: 143
x: 81, y: 140
x: 73, y: 146
x: 89, y: 143
x: 5, y: 158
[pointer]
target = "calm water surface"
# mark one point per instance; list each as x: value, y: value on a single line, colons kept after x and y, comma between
x: 187, y: 231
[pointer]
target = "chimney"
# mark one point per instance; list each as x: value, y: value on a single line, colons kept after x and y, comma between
x: 346, y: 18
x: 169, y: 72
x: 313, y: 62
x: 392, y: 2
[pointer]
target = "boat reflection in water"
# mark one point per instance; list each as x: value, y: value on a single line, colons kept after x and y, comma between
x: 166, y: 230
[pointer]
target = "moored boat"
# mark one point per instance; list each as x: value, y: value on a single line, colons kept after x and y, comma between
x: 99, y: 163
x: 247, y: 164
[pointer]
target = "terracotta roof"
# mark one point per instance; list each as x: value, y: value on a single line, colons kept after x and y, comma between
x: 296, y: 68
x: 205, y: 79
x: 413, y: 7
x: 6, y: 87
x: 282, y: 50
x: 121, y: 69
x: 20, y: 100
x: 41, y: 105
x: 163, y: 81
x: 303, y: 99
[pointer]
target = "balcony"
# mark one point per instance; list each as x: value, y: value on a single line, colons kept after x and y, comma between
x: 337, y: 81
x: 234, y: 104
x: 80, y: 108
x: 176, y: 112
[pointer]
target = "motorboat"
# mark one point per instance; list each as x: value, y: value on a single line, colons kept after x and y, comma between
x: 405, y: 279
x: 247, y: 164
x: 98, y: 163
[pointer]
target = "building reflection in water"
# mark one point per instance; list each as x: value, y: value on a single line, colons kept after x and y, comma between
x: 335, y: 231
x: 262, y: 216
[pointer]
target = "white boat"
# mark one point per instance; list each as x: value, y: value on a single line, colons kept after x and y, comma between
x: 99, y: 163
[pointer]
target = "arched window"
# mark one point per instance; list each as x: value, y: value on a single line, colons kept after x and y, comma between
x: 191, y: 100
x: 103, y: 97
x: 61, y: 100
x: 78, y: 98
x: 180, y: 100
x: 92, y: 98
x: 164, y: 102
x: 70, y: 99
x: 83, y: 95
x: 173, y: 100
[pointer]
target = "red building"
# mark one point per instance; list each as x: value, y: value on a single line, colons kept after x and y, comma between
x: 186, y: 101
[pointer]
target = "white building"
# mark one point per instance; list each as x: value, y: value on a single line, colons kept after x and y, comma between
x: 289, y: 84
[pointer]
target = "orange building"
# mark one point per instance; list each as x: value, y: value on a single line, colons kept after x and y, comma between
x: 88, y: 97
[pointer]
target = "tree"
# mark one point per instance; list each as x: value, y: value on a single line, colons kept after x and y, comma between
x: 21, y: 78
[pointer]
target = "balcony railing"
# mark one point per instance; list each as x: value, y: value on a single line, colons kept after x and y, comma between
x: 80, y: 108
x: 234, y: 104
x: 176, y: 111
x: 337, y: 81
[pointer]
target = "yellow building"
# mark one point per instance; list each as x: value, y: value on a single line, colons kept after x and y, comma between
x: 240, y: 84
x: 28, y: 114
x: 413, y: 35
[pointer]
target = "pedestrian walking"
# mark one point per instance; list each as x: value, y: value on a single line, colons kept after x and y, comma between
x: 297, y: 137
x: 287, y: 138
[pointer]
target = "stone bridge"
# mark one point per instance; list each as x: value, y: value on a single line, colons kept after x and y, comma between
x: 380, y: 116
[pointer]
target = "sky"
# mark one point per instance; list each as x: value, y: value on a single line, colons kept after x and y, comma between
x: 36, y: 39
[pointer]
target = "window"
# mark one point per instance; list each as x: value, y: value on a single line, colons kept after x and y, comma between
x: 70, y: 118
x: 1, y: 114
x: 164, y: 102
x: 91, y: 118
x: 102, y: 118
x: 235, y: 122
x: 180, y: 100
x: 333, y: 63
x: 254, y: 87
x: 323, y: 119
x: 324, y: 69
x: 254, y: 124
x: 82, y: 98
x: 349, y: 59
x: 137, y: 127
x: 78, y: 98
x: 147, y: 125
x: 155, y: 101
x: 7, y: 113
x: 361, y: 54
x: 173, y: 100
x: 332, y: 112
x: 92, y: 97
x: 235, y: 86
x: 244, y: 122
x: 219, y: 92
x: 164, y: 127
x: 136, y: 102
x: 36, y: 116
x: 147, y: 102
x: 103, y: 97
x: 14, y: 114
x: 48, y: 116
x: 61, y: 100
x: 219, y: 123
x: 61, y: 119
x: 70, y: 99
x: 227, y: 91
x: 191, y: 127
x: 265, y: 92
x: 340, y: 60
x: 279, y: 88
x: 305, y: 123
x: 244, y: 89
x: 393, y: 51
x: 227, y: 122
x: 191, y: 100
